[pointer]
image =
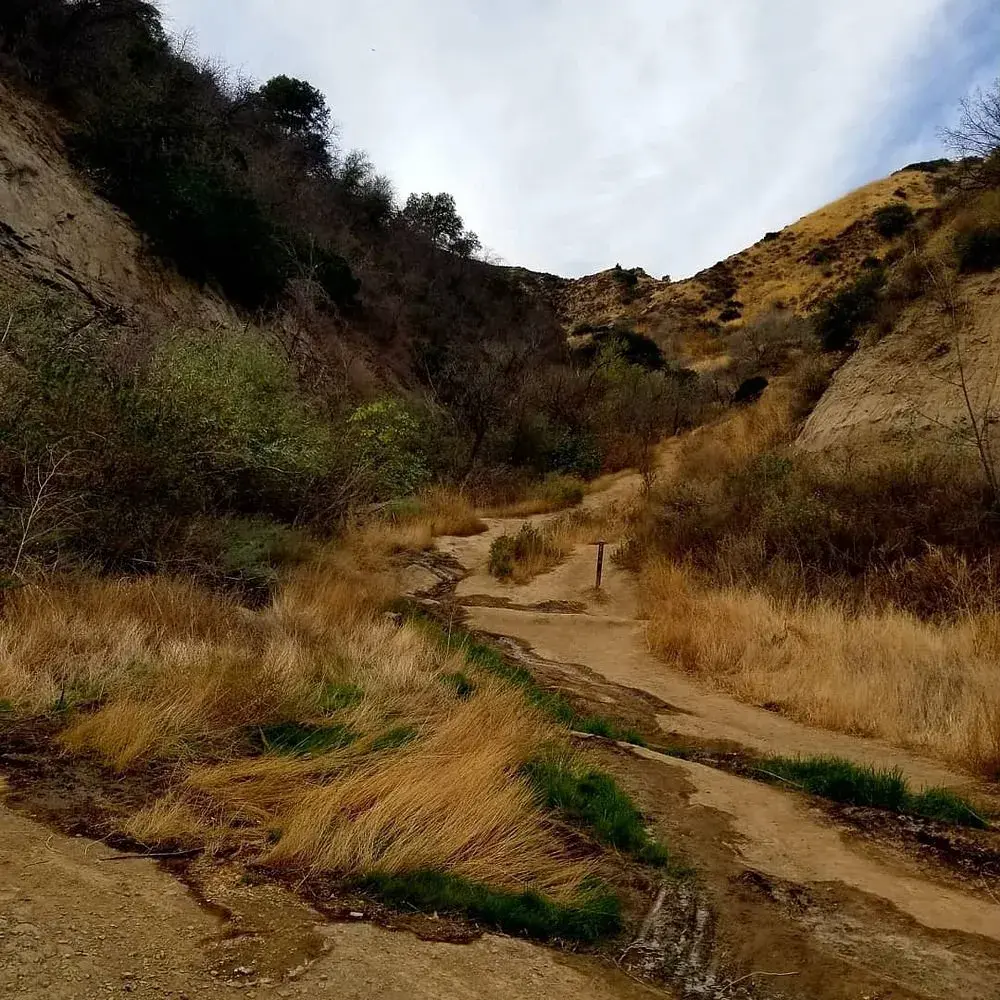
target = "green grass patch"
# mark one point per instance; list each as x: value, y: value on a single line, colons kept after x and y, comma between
x: 594, y: 915
x: 593, y: 800
x: 395, y: 738
x: 877, y: 788
x: 485, y: 657
x: 336, y: 697
x: 299, y: 739
x: 460, y: 683
x: 946, y: 806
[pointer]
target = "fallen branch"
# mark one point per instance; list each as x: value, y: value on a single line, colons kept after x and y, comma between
x: 751, y: 975
x: 161, y: 854
x: 771, y: 774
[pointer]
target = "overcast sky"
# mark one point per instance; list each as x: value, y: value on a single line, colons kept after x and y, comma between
x: 576, y: 134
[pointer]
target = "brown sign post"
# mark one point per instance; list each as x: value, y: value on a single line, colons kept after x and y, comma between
x: 600, y: 562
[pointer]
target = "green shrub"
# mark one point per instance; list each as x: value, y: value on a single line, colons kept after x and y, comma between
x: 842, y: 316
x: 594, y: 915
x: 594, y: 800
x: 978, y: 248
x: 530, y: 546
x: 387, y: 443
x: 230, y: 403
x: 893, y: 220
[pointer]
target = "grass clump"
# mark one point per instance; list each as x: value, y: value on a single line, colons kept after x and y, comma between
x: 592, y: 915
x: 876, y: 788
x: 554, y: 705
x: 593, y: 800
x: 460, y: 683
x: 395, y: 738
x: 519, y: 557
x: 300, y: 739
x: 336, y: 697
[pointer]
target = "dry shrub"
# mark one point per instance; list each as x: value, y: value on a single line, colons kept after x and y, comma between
x: 533, y: 551
x: 883, y: 674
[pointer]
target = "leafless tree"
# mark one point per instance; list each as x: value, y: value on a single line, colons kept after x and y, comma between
x: 48, y: 506
x: 978, y: 130
x: 980, y: 404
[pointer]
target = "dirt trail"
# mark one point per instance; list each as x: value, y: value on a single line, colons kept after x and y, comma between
x: 76, y: 926
x: 907, y: 916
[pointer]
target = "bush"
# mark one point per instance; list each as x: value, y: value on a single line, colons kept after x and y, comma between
x: 526, y: 553
x: 917, y: 534
x: 840, y: 319
x: 893, y: 220
x: 225, y: 410
x: 562, y: 491
x: 978, y: 249
x: 388, y: 446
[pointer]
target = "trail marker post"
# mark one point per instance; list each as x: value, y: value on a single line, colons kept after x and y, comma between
x: 600, y: 562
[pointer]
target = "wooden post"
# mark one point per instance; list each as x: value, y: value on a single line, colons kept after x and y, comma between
x: 600, y: 562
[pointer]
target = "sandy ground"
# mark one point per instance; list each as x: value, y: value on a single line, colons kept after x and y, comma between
x: 78, y: 922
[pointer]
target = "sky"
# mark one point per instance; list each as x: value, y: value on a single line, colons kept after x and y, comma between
x: 576, y: 134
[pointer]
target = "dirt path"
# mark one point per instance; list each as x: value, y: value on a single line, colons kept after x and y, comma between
x: 907, y: 916
x: 76, y: 926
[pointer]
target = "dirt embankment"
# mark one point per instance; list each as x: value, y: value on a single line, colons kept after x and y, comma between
x: 907, y: 389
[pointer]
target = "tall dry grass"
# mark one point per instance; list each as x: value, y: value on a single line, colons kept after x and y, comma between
x: 854, y: 594
x: 886, y: 674
x: 162, y: 670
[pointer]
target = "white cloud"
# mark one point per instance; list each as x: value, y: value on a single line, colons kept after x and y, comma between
x: 578, y: 133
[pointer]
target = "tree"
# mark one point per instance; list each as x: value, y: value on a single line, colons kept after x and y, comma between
x: 295, y: 106
x: 298, y: 112
x: 978, y: 130
x: 436, y: 216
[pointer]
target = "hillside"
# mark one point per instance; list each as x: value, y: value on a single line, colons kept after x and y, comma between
x: 793, y: 269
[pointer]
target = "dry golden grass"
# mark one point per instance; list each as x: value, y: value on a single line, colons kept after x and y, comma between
x: 160, y: 669
x: 935, y: 688
x: 553, y: 494
x: 716, y: 449
x: 435, y: 512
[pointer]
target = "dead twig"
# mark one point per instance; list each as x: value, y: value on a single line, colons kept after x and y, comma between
x: 752, y: 975
x: 778, y: 777
x: 159, y: 854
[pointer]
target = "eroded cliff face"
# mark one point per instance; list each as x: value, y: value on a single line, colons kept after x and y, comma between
x: 54, y: 229
x: 909, y: 388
